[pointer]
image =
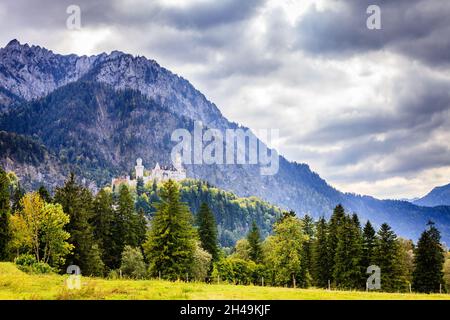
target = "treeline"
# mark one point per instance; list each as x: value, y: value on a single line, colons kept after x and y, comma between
x: 109, y: 235
x: 233, y: 214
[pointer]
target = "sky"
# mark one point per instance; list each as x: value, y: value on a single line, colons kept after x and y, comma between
x: 368, y: 110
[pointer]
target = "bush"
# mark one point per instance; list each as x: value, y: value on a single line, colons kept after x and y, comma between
x: 133, y: 265
x: 237, y: 271
x: 25, y: 260
x: 29, y: 264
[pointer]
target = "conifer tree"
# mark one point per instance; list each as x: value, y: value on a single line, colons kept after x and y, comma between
x: 103, y: 222
x: 386, y: 257
x: 320, y: 258
x: 336, y: 220
x: 306, y: 259
x: 5, y: 233
x: 127, y: 217
x: 347, y: 262
x: 171, y: 243
x: 77, y: 203
x: 44, y: 194
x: 369, y: 238
x: 254, y: 241
x: 429, y: 261
x: 207, y: 231
x: 140, y: 188
x: 17, y: 194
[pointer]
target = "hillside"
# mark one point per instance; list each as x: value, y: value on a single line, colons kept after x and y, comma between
x: 439, y: 196
x: 95, y: 115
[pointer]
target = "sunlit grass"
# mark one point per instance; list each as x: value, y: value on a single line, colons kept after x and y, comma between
x: 15, y: 284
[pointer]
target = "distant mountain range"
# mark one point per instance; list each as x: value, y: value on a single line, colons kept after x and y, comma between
x: 95, y: 115
x: 439, y: 196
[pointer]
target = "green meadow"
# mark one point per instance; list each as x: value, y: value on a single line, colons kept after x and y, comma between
x: 17, y: 285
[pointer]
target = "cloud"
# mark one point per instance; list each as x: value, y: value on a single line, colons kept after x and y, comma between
x: 368, y: 110
x: 416, y: 28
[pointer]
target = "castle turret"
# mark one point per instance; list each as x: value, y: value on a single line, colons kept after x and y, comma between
x: 139, y: 169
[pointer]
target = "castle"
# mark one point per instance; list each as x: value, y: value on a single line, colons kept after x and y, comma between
x: 159, y: 173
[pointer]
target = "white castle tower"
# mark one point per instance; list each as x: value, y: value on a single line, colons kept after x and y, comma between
x: 139, y: 169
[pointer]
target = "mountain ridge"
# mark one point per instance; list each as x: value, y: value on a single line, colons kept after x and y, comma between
x: 439, y: 196
x: 98, y: 120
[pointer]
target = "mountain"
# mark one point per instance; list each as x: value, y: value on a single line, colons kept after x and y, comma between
x: 95, y: 115
x: 439, y: 196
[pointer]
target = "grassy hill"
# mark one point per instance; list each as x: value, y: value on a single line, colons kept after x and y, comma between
x: 15, y: 284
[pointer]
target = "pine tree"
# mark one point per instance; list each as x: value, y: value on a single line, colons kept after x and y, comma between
x: 5, y: 233
x: 369, y: 238
x: 306, y: 260
x: 386, y: 257
x: 207, y: 231
x: 254, y: 241
x: 429, y: 261
x: 140, y: 188
x: 347, y: 261
x: 17, y: 194
x: 77, y: 203
x: 126, y: 217
x: 103, y: 222
x: 321, y: 270
x: 44, y: 194
x: 170, y: 245
x: 336, y: 220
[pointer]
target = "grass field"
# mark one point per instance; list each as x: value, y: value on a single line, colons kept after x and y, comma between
x: 15, y: 284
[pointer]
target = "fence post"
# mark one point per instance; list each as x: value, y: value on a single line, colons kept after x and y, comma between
x: 293, y: 280
x: 159, y: 275
x: 329, y: 285
x: 262, y: 281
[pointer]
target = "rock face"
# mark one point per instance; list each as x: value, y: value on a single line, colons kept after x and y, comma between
x: 96, y: 115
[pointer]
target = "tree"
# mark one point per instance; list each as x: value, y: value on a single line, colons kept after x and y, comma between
x: 254, y: 242
x: 347, y: 262
x: 285, y: 257
x: 336, y: 220
x: 207, y: 231
x: 306, y: 259
x: 368, y: 245
x: 321, y: 266
x: 406, y: 260
x: 5, y: 234
x: 44, y: 194
x: 242, y: 250
x: 77, y: 202
x: 170, y: 244
x: 201, y: 264
x: 133, y: 265
x: 104, y: 222
x: 140, y: 188
x: 132, y: 224
x: 39, y: 228
x: 386, y: 257
x: 429, y: 261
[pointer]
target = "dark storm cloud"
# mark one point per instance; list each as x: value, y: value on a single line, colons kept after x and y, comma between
x: 416, y: 28
x: 422, y: 105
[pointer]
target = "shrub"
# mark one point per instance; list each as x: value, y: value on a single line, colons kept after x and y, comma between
x: 133, y: 265
x: 29, y: 264
x: 25, y: 260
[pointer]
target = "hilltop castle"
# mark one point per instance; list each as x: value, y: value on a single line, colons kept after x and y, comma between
x: 159, y: 173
